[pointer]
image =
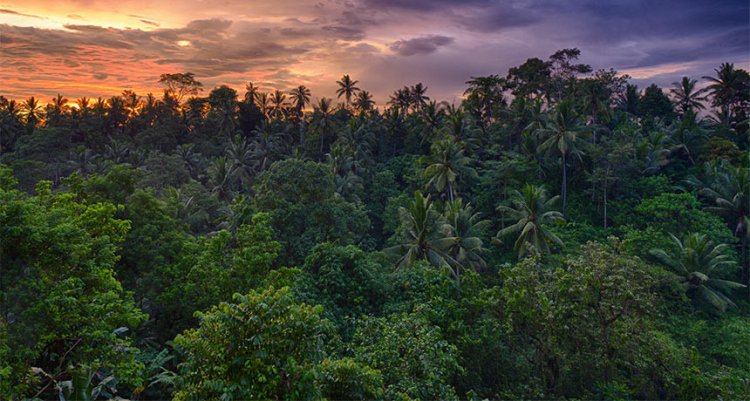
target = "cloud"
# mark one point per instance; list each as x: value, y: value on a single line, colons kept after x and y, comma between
x: 147, y: 22
x: 420, y: 45
x: 385, y: 44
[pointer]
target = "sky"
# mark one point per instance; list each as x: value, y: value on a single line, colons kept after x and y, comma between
x: 100, y: 47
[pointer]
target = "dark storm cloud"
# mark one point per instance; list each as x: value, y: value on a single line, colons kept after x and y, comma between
x: 420, y: 45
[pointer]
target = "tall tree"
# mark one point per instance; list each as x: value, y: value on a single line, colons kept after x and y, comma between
x: 347, y: 88
x: 422, y: 239
x: 686, y: 97
x: 463, y: 226
x: 560, y: 133
x: 531, y: 209
x: 32, y: 111
x: 300, y: 98
x: 730, y: 89
x: 179, y: 85
x: 447, y: 164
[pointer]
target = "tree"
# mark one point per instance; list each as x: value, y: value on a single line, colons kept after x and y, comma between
x: 421, y: 237
x: 32, y: 110
x: 697, y: 261
x: 179, y: 85
x: 560, y: 133
x: 415, y: 359
x: 65, y: 310
x: 263, y: 346
x: 485, y: 96
x: 418, y: 96
x: 278, y: 100
x: 364, y: 102
x: 322, y: 121
x: 447, y: 165
x: 300, y: 98
x: 728, y: 189
x: 655, y: 104
x: 347, y: 88
x: 685, y: 95
x: 305, y: 210
x: 531, y: 210
x: 729, y: 89
x: 464, y: 227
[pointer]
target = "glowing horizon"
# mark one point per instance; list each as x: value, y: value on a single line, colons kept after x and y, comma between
x: 95, y: 49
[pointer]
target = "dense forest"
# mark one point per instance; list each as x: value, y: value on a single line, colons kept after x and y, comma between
x: 559, y: 234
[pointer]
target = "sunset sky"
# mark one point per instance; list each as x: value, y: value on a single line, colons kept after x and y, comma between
x: 98, y: 48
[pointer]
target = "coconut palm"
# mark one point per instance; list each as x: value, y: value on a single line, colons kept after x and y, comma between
x: 240, y: 155
x: 447, y: 164
x: 420, y: 225
x: 263, y: 103
x: 727, y: 188
x: 696, y: 260
x: 117, y: 151
x: 300, y: 98
x: 220, y: 174
x: 729, y: 88
x: 418, y: 96
x: 56, y: 109
x: 530, y: 209
x: 401, y: 100
x: 686, y: 97
x: 278, y: 101
x: 347, y: 88
x: 322, y: 120
x: 363, y: 102
x: 32, y: 110
x: 464, y: 226
x: 191, y: 159
x: 560, y: 133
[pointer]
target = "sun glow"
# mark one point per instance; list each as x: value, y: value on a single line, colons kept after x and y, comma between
x: 183, y: 43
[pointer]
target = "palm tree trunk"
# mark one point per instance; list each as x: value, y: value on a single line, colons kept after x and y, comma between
x: 605, y: 198
x: 564, y: 184
x: 450, y: 191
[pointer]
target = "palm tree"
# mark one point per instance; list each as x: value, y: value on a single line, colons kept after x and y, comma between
x: 464, y: 227
x: 421, y: 235
x: 728, y: 189
x: 347, y: 88
x: 239, y: 154
x: 401, y: 100
x: 56, y: 109
x: 278, y: 99
x: 323, y: 120
x: 685, y: 95
x: 447, y: 165
x: 300, y: 98
x: 83, y: 104
x: 33, y: 112
x: 191, y: 159
x: 269, y: 144
x: 531, y: 209
x: 263, y: 102
x: 251, y: 91
x: 364, y: 102
x: 220, y: 175
x: 418, y: 97
x: 562, y: 131
x: 729, y: 87
x: 695, y: 259
x: 116, y: 151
